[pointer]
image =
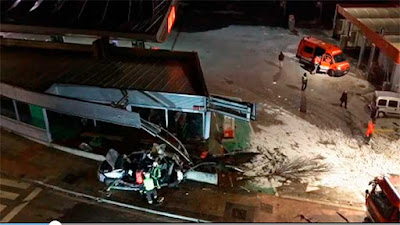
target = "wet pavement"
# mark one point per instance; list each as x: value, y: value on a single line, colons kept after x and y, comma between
x: 45, y: 205
x: 26, y: 160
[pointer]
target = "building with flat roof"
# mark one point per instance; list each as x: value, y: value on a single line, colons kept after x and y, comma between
x: 376, y: 28
x: 149, y: 20
x: 50, y: 91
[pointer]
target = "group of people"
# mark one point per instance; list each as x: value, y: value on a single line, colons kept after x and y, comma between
x: 343, y: 98
x: 153, y: 174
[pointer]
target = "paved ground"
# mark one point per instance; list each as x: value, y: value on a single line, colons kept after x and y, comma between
x: 37, y: 204
x: 23, y: 201
x: 241, y: 61
x: 24, y: 160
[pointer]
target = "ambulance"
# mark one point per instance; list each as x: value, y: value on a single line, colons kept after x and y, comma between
x: 332, y: 60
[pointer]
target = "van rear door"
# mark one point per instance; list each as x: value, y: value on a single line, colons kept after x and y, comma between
x: 306, y: 51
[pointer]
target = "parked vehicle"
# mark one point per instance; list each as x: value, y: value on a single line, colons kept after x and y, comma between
x: 332, y: 58
x: 388, y: 103
x: 383, y: 200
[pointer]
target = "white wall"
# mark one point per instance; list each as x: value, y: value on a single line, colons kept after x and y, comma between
x: 396, y: 78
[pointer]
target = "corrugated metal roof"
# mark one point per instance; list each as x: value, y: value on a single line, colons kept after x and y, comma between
x: 140, y: 69
x: 390, y: 25
x: 372, y: 20
x: 141, y: 19
x: 361, y: 12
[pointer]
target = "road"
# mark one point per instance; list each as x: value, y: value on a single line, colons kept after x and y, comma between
x: 22, y: 201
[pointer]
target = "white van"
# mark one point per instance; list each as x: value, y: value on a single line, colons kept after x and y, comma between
x: 388, y: 103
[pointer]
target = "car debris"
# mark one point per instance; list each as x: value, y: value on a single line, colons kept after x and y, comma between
x: 125, y: 172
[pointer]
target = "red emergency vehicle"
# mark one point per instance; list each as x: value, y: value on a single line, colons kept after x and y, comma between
x: 332, y: 60
x: 383, y: 200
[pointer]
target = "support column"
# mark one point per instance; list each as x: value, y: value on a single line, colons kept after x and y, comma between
x: 46, y: 124
x: 395, y: 79
x: 207, y: 125
x: 166, y: 118
x: 371, y: 58
x: 334, y: 22
x: 345, y: 37
x: 16, y: 110
x: 363, y: 44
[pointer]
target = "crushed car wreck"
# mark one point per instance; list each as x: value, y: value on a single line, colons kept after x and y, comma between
x: 126, y: 172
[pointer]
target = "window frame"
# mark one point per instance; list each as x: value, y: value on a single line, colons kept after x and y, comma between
x: 390, y: 101
x: 386, y: 102
x: 306, y: 47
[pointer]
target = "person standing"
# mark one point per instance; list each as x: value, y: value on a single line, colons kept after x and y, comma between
x: 304, y: 81
x: 343, y: 99
x: 149, y: 188
x: 370, y: 130
x: 281, y: 58
x: 317, y: 61
x: 156, y: 173
x: 374, y: 111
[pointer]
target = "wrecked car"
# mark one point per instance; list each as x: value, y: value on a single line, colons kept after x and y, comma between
x: 125, y: 172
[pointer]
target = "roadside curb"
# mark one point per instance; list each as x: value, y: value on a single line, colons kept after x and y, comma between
x: 322, y: 203
x: 120, y: 204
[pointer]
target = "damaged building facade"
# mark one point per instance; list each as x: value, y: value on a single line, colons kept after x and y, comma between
x: 63, y: 88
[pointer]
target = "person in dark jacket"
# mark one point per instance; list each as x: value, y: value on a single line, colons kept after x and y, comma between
x: 281, y: 58
x: 304, y: 81
x: 343, y: 99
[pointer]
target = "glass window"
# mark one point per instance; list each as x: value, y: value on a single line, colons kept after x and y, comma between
x: 7, y: 107
x: 339, y: 58
x: 393, y: 104
x: 156, y: 116
x: 327, y: 58
x: 382, y: 203
x: 184, y: 125
x: 319, y: 51
x: 31, y: 114
x: 382, y: 102
x: 308, y: 49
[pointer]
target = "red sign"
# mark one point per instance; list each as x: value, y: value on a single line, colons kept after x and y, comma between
x: 171, y: 18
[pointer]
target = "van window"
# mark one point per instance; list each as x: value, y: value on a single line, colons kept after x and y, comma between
x: 393, y: 104
x: 308, y: 49
x: 319, y: 51
x: 382, y: 102
x: 339, y: 58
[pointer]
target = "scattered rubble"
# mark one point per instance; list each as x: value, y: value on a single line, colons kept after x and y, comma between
x: 299, y: 150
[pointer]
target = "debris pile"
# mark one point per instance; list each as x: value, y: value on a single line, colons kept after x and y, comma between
x: 295, y: 149
x: 282, y: 170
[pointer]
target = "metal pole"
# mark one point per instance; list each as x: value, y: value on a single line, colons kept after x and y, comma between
x: 204, y: 124
x: 16, y: 109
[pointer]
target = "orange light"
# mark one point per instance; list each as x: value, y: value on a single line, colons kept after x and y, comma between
x: 171, y: 19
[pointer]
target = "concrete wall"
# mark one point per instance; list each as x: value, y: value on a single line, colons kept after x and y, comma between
x: 24, y: 129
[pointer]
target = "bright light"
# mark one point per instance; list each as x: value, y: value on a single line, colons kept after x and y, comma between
x: 171, y: 19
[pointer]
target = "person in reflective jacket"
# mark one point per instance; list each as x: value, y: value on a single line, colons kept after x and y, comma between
x: 149, y: 190
x: 156, y: 173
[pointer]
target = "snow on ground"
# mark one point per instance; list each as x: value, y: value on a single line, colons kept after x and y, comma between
x: 352, y: 163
